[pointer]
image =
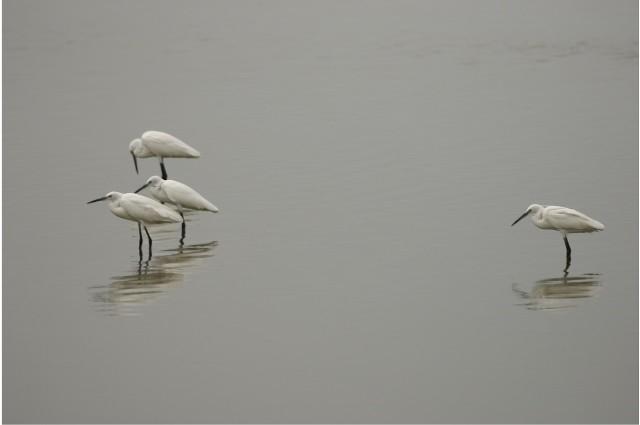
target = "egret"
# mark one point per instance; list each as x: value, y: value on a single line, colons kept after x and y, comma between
x: 564, y: 220
x: 178, y: 194
x: 138, y: 208
x: 162, y: 145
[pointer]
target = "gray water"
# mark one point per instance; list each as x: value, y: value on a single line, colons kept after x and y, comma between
x: 368, y: 158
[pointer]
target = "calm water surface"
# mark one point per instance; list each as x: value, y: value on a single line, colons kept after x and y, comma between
x: 368, y: 159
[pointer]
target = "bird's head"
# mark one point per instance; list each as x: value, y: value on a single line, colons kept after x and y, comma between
x: 153, y: 181
x: 531, y: 209
x: 111, y: 196
x: 138, y: 150
x: 134, y: 146
x: 534, y: 208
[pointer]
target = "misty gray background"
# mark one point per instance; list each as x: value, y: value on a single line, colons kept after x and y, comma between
x: 368, y: 158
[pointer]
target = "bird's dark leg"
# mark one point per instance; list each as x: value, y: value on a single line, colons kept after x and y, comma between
x: 184, y: 229
x: 566, y: 244
x: 150, y: 241
x: 164, y: 170
x: 140, y: 241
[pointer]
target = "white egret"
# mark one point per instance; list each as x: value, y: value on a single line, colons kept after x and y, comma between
x: 138, y: 208
x: 564, y: 220
x: 178, y: 194
x: 162, y: 145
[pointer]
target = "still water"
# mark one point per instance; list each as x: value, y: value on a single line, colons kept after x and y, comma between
x: 368, y: 158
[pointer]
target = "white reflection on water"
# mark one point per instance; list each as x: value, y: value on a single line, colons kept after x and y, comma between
x: 150, y: 279
x: 559, y: 292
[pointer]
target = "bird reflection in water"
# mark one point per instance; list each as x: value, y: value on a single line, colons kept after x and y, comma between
x: 559, y: 292
x: 151, y: 278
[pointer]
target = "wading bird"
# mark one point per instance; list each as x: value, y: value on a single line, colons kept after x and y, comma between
x: 564, y: 220
x: 138, y: 208
x: 162, y: 145
x: 178, y: 194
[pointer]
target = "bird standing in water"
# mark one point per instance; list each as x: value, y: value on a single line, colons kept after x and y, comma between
x: 178, y: 194
x: 564, y: 220
x: 162, y: 145
x: 138, y: 208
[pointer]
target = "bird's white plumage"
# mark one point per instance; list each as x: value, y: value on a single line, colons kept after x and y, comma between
x: 563, y: 219
x: 148, y: 210
x: 116, y: 207
x: 139, y: 150
x: 179, y: 194
x: 165, y: 145
x: 134, y: 207
x: 161, y: 145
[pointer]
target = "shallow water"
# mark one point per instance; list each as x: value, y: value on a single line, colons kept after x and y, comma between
x: 368, y: 159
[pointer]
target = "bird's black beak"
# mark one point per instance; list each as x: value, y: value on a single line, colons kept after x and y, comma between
x: 135, y: 162
x: 143, y: 186
x: 97, y: 200
x: 521, y: 217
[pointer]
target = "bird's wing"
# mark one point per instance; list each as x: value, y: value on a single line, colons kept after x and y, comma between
x: 571, y: 220
x: 165, y: 144
x: 186, y: 196
x: 147, y: 210
x: 161, y: 138
x: 174, y: 191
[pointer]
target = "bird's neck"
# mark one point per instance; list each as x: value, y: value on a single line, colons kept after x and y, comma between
x: 538, y: 219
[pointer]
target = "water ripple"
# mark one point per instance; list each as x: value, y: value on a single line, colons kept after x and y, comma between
x: 559, y: 293
x: 149, y: 280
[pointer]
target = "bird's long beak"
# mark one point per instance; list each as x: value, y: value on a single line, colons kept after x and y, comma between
x: 135, y: 162
x: 143, y: 186
x: 97, y: 200
x: 521, y: 217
